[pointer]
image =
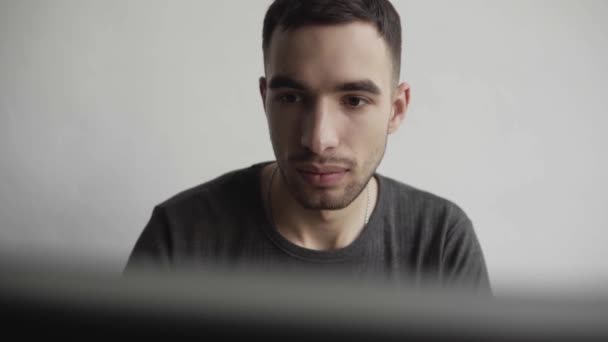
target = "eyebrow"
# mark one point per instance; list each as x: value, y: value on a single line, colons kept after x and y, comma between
x: 278, y: 82
x: 366, y: 85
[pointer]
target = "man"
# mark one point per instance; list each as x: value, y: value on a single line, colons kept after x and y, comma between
x: 332, y: 96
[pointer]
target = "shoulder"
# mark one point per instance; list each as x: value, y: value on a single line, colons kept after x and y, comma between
x: 445, y: 240
x: 405, y: 199
x: 229, y: 190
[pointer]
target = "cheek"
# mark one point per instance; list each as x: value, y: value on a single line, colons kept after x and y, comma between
x: 283, y: 130
x: 367, y: 136
x: 366, y: 129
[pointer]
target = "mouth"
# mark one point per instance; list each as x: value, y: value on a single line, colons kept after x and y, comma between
x: 321, y: 169
x: 322, y: 175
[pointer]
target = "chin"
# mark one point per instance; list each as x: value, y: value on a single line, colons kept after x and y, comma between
x: 334, y: 198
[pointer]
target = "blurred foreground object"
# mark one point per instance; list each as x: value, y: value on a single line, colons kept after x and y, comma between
x: 272, y: 305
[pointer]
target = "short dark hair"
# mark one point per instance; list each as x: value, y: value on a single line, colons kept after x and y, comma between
x: 293, y: 14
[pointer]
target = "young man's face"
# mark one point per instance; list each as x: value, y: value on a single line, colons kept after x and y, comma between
x: 330, y: 101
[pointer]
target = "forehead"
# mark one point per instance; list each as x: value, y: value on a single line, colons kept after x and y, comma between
x: 323, y: 55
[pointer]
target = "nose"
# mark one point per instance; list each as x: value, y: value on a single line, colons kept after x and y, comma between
x: 319, y: 129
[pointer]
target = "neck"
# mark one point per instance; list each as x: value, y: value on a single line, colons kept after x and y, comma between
x: 317, y: 229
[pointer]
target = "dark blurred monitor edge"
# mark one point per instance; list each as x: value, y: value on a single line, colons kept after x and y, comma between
x: 268, y: 304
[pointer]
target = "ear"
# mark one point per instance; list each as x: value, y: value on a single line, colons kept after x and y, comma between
x: 262, y: 85
x: 400, y: 103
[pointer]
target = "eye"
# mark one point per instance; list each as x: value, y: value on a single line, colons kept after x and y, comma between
x: 290, y: 98
x: 355, y: 101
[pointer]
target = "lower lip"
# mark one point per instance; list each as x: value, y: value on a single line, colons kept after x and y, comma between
x: 323, y: 179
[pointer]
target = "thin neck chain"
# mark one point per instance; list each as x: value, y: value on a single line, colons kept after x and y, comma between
x: 367, y: 205
x: 268, y: 197
x: 269, y: 191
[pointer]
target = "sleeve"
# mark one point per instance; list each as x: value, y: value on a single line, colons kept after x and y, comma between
x: 464, y: 265
x: 152, y: 251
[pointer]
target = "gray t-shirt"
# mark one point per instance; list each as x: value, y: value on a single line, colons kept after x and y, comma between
x: 412, y: 235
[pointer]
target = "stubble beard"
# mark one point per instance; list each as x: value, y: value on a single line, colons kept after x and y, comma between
x: 332, y: 199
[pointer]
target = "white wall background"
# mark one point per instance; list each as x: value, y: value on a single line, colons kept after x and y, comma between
x: 109, y: 107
